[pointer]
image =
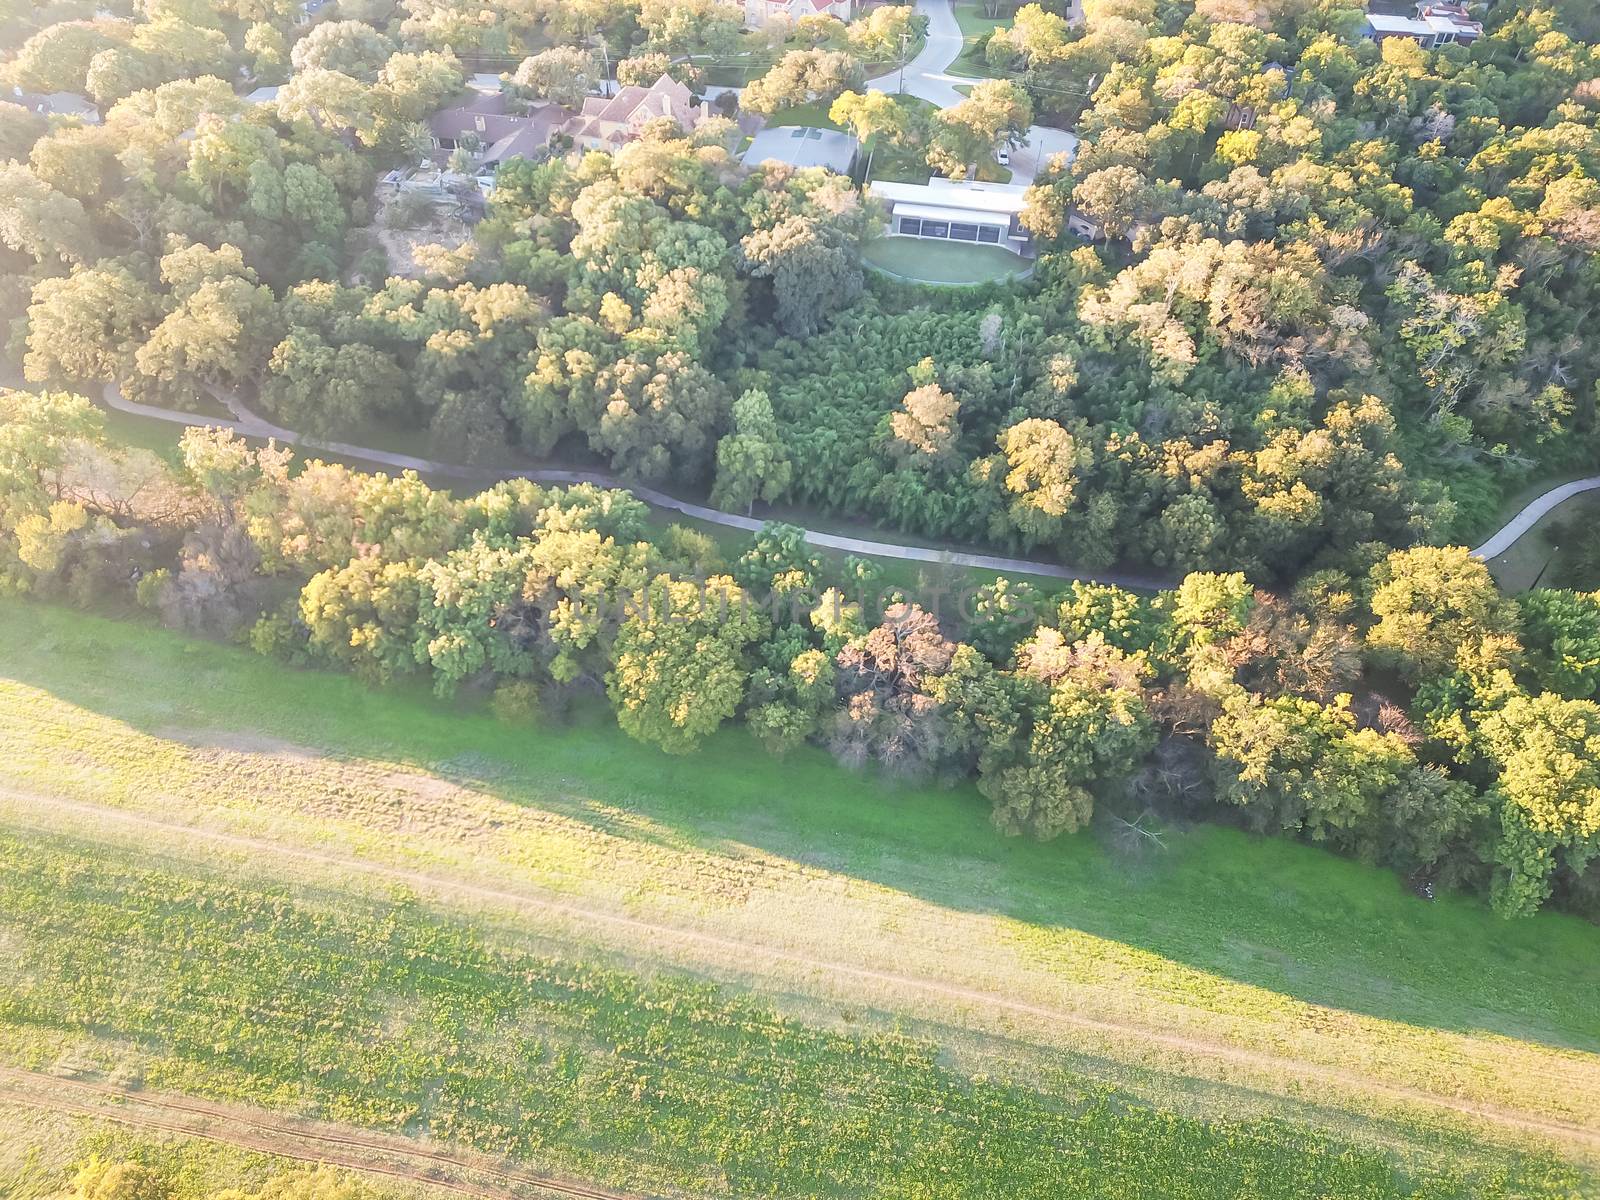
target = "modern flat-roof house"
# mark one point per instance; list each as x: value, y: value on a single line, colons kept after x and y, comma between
x: 1434, y: 25
x: 804, y: 146
x: 758, y: 14
x: 957, y: 210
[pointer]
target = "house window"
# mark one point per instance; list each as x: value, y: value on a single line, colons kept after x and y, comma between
x: 989, y: 233
x: 963, y: 233
x: 936, y: 229
x: 911, y: 226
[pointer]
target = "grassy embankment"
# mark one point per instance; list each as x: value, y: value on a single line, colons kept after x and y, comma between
x: 974, y: 26
x: 549, y: 903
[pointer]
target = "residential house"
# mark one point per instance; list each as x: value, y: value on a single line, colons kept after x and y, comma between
x: 957, y: 210
x: 609, y: 122
x: 1435, y: 25
x: 57, y: 104
x: 488, y: 125
x: 758, y: 14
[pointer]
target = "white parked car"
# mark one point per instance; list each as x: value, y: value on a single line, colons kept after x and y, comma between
x: 1003, y: 156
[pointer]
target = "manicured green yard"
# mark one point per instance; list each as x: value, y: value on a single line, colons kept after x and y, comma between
x: 815, y: 115
x: 974, y: 25
x: 943, y: 262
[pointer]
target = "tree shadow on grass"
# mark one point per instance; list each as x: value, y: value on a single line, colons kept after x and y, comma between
x: 1267, y: 913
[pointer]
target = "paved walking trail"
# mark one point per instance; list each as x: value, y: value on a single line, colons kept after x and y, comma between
x: 248, y: 424
x: 1531, y: 514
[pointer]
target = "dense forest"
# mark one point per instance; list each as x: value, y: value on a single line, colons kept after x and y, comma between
x: 1337, y: 298
x: 1333, y: 308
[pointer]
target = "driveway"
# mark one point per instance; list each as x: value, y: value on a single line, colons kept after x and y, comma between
x: 1044, y: 143
x: 926, y: 78
x: 925, y: 74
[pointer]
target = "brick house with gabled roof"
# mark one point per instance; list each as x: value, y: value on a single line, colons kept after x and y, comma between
x: 608, y: 122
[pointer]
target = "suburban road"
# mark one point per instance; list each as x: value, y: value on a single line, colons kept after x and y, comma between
x: 925, y: 74
x: 927, y: 77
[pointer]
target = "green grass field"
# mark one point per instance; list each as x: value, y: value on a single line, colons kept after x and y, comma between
x: 941, y: 262
x: 388, y: 1017
x: 40, y: 1151
x: 1230, y: 980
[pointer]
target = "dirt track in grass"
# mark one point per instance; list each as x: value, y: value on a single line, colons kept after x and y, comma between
x: 290, y: 1137
x: 1582, y: 1138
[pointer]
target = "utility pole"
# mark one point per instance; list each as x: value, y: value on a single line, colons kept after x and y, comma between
x: 904, y: 39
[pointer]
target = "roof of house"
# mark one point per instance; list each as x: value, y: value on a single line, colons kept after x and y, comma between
x: 938, y: 212
x: 524, y: 142
x: 666, y: 97
x: 803, y: 146
x: 57, y: 104
x: 1449, y: 18
x: 1008, y: 199
x: 486, y: 117
x: 262, y: 95
x: 1399, y: 26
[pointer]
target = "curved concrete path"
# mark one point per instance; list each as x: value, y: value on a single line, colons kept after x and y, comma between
x: 247, y: 424
x: 1531, y: 514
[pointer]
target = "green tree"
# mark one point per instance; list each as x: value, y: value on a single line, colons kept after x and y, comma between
x: 363, y: 616
x: 562, y: 74
x: 814, y: 266
x: 89, y: 324
x: 678, y: 664
x: 349, y: 47
x: 997, y: 111
x: 57, y: 58
x: 1435, y: 605
x: 802, y: 77
x: 752, y: 461
x: 414, y: 85
x: 1547, y: 750
x: 44, y: 224
x: 1042, y: 463
x: 19, y: 129
x: 101, y: 1180
x: 1561, y: 631
x: 1296, y: 765
x: 872, y: 116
